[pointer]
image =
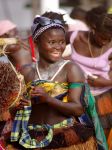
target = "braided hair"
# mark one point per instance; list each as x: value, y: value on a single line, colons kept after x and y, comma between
x: 54, y: 15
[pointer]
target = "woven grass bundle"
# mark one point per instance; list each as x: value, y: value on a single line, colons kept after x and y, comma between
x: 9, y: 86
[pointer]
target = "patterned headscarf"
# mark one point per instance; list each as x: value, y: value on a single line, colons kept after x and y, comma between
x: 41, y: 24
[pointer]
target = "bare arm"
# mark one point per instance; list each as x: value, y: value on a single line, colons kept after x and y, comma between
x: 28, y: 71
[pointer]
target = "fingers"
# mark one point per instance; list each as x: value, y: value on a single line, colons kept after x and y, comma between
x: 22, y: 103
x: 90, y: 80
x: 37, y: 91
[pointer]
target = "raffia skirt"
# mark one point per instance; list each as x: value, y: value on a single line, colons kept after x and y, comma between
x: 90, y: 144
x: 76, y: 137
x: 104, y: 109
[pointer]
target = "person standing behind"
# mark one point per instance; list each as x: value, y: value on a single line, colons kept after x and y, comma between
x: 91, y: 51
x: 19, y: 54
x: 79, y: 14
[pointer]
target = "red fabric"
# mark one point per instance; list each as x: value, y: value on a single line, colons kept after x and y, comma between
x: 2, y: 145
x: 32, y: 49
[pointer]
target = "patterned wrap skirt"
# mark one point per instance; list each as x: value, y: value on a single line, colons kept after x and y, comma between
x: 74, y: 137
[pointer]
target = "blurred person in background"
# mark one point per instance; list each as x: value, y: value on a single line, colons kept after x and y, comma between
x: 79, y: 14
x: 19, y: 53
x: 11, y: 82
x: 92, y: 51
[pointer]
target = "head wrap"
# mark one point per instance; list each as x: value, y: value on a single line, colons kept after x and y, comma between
x: 41, y: 24
x: 6, y: 26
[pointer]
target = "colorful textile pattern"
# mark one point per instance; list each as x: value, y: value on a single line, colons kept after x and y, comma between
x: 57, y: 90
x: 21, y: 123
x: 21, y: 128
x: 54, y: 89
x: 89, y: 103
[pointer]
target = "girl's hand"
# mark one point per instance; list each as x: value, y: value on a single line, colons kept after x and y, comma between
x: 22, y: 103
x: 96, y: 82
x: 40, y: 93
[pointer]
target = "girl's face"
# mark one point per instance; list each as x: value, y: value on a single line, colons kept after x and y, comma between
x: 102, y: 39
x: 51, y: 44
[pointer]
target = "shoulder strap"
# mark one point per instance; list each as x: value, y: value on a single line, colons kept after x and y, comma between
x: 59, y: 70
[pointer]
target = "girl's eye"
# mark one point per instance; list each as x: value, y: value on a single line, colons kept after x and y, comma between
x: 62, y: 42
x: 51, y: 42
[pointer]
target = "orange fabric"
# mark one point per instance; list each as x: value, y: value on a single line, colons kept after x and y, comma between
x: 110, y: 140
x: 105, y: 105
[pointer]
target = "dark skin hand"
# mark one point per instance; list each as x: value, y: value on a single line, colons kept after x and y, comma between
x: 99, y: 81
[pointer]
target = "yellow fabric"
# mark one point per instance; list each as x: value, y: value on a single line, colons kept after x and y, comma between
x: 54, y: 88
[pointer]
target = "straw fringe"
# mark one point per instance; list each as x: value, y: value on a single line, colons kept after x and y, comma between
x: 88, y: 145
x: 20, y: 84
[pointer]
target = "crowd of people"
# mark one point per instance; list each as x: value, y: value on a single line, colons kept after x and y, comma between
x: 62, y: 98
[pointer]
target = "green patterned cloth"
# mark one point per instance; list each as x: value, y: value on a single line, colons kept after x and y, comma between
x: 91, y: 110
